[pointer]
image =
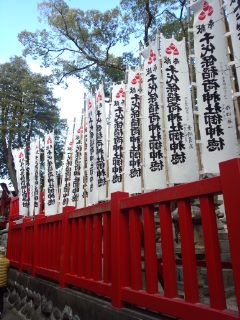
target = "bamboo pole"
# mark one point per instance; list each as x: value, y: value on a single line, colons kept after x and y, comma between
x: 85, y: 152
x: 164, y: 140
x: 124, y: 134
x: 229, y: 50
x: 141, y: 118
x: 193, y: 95
x: 108, y: 143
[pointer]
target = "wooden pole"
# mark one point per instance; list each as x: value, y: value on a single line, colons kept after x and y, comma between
x: 108, y: 143
x: 164, y: 140
x: 124, y: 135
x: 85, y: 152
x: 192, y: 77
x: 141, y: 118
x: 229, y: 50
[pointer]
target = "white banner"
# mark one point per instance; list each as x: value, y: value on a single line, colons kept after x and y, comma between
x: 101, y: 143
x: 214, y: 97
x: 50, y: 179
x: 233, y: 17
x: 20, y: 166
x: 192, y: 2
x: 180, y: 136
x: 34, y: 175
x: 91, y: 153
x: 154, y: 167
x: 132, y: 137
x: 76, y: 163
x: 83, y: 193
x: 116, y: 138
x: 66, y: 172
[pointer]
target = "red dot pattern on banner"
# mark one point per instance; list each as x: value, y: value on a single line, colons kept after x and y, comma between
x: 99, y: 97
x: 49, y: 140
x: 207, y: 10
x: 172, y: 49
x: 137, y: 79
x: 120, y: 94
x: 152, y: 57
x: 89, y: 104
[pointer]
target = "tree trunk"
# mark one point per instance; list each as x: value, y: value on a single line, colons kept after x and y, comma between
x: 8, y: 157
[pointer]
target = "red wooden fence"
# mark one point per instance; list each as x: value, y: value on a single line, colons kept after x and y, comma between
x: 110, y: 249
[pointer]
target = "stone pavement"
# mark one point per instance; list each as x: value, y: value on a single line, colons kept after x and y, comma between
x: 10, y: 315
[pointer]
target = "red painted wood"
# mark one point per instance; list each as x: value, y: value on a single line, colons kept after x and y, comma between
x: 106, y: 247
x: 82, y: 247
x: 116, y: 234
x: 97, y: 247
x: 212, y: 252
x: 48, y: 273
x: 64, y: 260
x: 55, y: 244
x: 44, y: 246
x: 150, y: 250
x: 58, y: 241
x: 119, y: 248
x: 40, y: 249
x: 230, y: 178
x: 188, y: 190
x: 74, y: 247
x: 168, y: 255
x: 91, y: 210
x: 135, y: 248
x: 176, y: 308
x: 97, y: 287
x: 51, y: 245
x: 188, y: 252
x: 48, y: 244
x: 89, y: 247
x: 23, y: 251
x: 71, y: 245
x: 36, y: 245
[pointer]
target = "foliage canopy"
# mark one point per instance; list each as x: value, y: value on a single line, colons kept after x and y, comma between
x: 27, y: 109
x: 87, y: 43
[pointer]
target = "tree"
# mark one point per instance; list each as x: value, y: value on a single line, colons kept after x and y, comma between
x: 77, y: 42
x: 27, y: 110
x: 81, y: 42
x: 146, y: 17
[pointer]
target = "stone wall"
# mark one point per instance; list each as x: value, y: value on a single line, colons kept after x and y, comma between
x: 36, y: 298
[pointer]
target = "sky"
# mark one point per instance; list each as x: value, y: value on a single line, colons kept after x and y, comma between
x: 19, y: 15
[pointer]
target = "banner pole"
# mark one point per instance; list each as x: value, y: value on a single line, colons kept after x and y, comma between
x: 158, y: 38
x: 141, y: 117
x: 229, y: 50
x: 85, y: 151
x: 124, y: 132
x: 193, y: 95
x: 109, y: 119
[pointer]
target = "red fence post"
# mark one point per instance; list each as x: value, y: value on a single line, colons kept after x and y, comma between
x: 23, y: 251
x: 36, y: 244
x: 9, y: 243
x: 65, y: 245
x: 119, y: 248
x: 230, y: 178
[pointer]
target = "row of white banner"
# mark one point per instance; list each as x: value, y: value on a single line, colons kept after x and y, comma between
x: 151, y: 141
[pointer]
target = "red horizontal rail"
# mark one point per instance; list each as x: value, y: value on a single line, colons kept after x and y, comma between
x: 185, y: 191
x: 175, y: 307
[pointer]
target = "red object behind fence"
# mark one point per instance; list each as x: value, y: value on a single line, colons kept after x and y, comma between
x: 110, y: 249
